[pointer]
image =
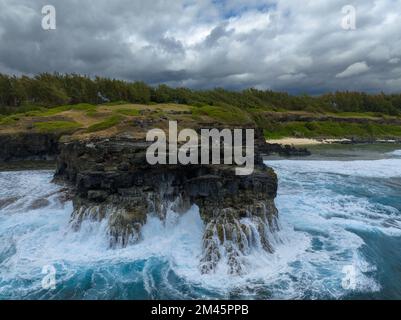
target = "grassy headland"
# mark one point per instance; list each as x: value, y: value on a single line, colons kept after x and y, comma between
x: 334, y: 130
x: 78, y: 105
x: 108, y: 119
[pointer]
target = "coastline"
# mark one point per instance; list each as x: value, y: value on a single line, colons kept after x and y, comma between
x: 27, y: 165
x: 315, y: 141
x: 295, y: 141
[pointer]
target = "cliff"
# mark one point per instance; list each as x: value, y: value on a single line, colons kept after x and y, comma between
x: 102, y: 159
x: 112, y: 180
x: 28, y: 146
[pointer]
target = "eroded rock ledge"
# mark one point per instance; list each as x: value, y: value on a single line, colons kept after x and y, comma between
x: 28, y: 146
x: 112, y: 180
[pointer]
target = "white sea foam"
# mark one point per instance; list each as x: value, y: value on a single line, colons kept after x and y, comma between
x: 315, y: 243
x: 384, y: 168
x: 396, y: 153
x: 332, y: 201
x: 319, y: 189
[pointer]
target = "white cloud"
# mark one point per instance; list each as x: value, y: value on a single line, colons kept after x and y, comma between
x: 354, y: 70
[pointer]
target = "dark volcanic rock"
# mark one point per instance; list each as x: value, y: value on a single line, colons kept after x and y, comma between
x: 28, y: 146
x: 113, y: 180
x: 39, y: 203
x: 267, y: 149
x: 285, y: 150
x: 7, y: 201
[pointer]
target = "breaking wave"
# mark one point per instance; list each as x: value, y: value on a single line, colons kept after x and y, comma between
x: 333, y: 215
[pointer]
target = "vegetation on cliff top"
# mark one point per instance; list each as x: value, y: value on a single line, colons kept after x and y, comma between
x: 331, y: 129
x: 89, y: 119
x: 57, y: 126
x: 224, y: 114
x: 73, y: 103
x: 49, y: 90
x: 106, y: 124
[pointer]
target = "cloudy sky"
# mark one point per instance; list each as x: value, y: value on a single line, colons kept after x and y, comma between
x: 293, y: 45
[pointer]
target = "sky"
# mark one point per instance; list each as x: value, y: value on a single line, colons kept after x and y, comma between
x: 298, y: 46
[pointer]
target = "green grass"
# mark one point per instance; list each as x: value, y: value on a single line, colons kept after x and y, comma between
x: 128, y: 112
x: 92, y: 113
x: 21, y: 109
x: 115, y: 103
x: 357, y: 114
x: 57, y: 110
x: 329, y: 129
x: 47, y: 112
x: 57, y: 126
x: 157, y: 114
x: 229, y: 115
x: 224, y: 114
x: 106, y: 124
x: 83, y: 107
x: 8, y: 120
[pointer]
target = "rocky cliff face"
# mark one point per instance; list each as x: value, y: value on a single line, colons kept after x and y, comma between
x: 28, y: 146
x: 112, y: 180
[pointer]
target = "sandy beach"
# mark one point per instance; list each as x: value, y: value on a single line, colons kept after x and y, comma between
x: 296, y: 141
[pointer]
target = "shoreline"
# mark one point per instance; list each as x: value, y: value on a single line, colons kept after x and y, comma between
x: 295, y: 141
x: 314, y: 141
x: 27, y: 165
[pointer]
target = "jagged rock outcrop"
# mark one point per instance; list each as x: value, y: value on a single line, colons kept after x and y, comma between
x: 284, y: 150
x: 267, y: 149
x: 112, y: 180
x: 28, y: 146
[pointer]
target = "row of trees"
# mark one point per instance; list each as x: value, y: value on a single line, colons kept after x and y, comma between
x: 48, y: 90
x: 55, y: 89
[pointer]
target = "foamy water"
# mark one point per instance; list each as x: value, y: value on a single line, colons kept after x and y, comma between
x: 333, y: 215
x: 396, y: 153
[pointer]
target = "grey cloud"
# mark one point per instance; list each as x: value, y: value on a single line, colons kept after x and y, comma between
x: 292, y: 45
x: 171, y: 45
x: 217, y: 33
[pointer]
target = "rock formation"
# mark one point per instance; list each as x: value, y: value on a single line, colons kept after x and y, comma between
x: 112, y: 180
x: 28, y: 146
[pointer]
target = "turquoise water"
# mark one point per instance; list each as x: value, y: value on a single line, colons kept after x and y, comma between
x: 336, y: 215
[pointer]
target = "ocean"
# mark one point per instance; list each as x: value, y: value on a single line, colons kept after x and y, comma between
x: 339, y: 238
